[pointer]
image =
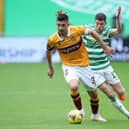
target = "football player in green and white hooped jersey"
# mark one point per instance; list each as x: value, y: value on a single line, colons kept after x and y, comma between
x: 98, y: 58
x: 99, y: 61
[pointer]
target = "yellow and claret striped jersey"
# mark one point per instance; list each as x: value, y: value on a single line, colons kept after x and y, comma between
x: 71, y: 49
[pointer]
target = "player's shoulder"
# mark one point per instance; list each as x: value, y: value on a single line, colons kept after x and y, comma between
x: 107, y: 28
x: 77, y: 27
x: 53, y: 37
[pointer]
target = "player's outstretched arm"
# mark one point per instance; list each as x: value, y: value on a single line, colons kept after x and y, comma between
x: 117, y: 30
x: 108, y: 50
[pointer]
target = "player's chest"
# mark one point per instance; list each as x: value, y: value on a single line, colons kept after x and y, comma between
x: 68, y: 41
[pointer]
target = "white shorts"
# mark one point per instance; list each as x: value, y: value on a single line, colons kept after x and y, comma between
x: 109, y: 75
x: 84, y: 74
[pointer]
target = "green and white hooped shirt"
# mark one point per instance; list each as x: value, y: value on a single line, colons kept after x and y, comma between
x: 98, y: 59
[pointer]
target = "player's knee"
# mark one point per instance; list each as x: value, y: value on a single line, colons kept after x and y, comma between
x: 119, y: 89
x: 122, y: 91
x: 73, y: 84
x: 122, y: 94
x: 107, y: 90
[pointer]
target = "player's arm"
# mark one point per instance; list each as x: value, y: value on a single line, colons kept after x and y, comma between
x: 49, y: 59
x: 108, y: 50
x: 89, y: 31
x: 117, y: 30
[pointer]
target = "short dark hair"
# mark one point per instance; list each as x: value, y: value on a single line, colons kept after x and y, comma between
x: 100, y: 17
x: 62, y: 17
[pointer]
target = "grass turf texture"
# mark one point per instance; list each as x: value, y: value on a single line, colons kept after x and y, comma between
x: 30, y: 100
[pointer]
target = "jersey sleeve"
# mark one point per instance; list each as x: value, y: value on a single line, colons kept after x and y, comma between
x: 109, y: 31
x: 50, y: 45
x: 81, y: 30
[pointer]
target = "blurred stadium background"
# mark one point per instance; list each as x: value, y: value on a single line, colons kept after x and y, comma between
x: 28, y: 99
x: 25, y: 26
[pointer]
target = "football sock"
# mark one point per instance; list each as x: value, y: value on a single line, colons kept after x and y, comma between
x: 94, y: 105
x: 120, y: 106
x: 76, y: 98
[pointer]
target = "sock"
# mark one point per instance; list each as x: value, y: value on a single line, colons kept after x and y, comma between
x: 120, y: 106
x: 94, y: 105
x: 76, y: 99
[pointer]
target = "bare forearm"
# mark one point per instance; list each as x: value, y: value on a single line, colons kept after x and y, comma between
x: 118, y: 24
x: 49, y: 58
x: 97, y: 37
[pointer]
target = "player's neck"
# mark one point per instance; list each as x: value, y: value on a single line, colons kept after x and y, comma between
x: 99, y: 32
x: 63, y: 35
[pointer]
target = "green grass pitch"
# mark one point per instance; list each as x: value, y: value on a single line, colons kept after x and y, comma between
x: 30, y: 100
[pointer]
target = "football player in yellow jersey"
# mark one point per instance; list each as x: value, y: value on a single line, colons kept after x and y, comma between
x: 75, y: 64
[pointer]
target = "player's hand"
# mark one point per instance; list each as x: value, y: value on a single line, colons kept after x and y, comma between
x: 50, y: 72
x: 118, y: 11
x: 109, y: 51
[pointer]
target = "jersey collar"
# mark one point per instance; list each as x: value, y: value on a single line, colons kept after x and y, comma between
x: 68, y: 34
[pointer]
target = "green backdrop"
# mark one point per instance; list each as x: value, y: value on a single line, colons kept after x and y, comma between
x: 37, y: 17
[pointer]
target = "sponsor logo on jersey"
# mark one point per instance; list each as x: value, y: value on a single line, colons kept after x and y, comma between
x: 71, y: 48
